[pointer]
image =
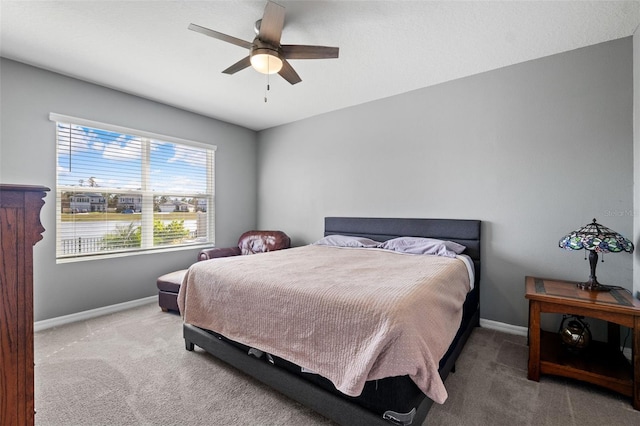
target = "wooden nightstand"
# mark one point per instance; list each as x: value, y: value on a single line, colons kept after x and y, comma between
x: 601, y: 363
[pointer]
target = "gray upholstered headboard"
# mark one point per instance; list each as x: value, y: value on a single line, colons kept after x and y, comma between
x: 463, y: 231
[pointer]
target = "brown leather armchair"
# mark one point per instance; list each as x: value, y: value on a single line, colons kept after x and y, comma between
x: 251, y: 242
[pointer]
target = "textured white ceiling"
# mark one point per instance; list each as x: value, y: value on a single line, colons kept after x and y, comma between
x: 386, y: 47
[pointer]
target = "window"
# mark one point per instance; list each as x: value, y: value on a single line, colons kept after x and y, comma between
x: 121, y: 190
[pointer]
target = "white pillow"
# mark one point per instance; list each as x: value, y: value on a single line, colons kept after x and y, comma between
x: 417, y: 245
x: 346, y: 241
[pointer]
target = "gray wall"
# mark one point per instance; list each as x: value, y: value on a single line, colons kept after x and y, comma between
x: 535, y: 150
x: 27, y: 156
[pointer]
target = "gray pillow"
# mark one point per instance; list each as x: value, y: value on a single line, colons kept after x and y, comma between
x: 417, y: 245
x: 347, y: 241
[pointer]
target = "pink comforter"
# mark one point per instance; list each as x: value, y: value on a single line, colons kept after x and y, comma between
x: 350, y: 315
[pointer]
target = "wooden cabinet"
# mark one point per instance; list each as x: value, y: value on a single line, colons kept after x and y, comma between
x: 601, y: 363
x: 20, y: 229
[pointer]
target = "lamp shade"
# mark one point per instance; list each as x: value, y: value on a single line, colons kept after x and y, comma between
x: 597, y: 239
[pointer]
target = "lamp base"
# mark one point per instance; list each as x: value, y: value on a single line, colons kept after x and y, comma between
x: 592, y: 285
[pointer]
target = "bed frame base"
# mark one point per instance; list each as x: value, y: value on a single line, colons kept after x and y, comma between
x: 329, y: 405
x: 296, y: 388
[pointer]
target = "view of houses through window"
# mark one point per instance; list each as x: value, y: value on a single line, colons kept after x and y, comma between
x: 119, y: 191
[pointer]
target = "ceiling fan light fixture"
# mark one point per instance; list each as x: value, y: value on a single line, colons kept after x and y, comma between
x: 266, y: 61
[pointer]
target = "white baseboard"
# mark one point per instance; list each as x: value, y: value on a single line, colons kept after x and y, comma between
x: 504, y: 327
x: 92, y: 313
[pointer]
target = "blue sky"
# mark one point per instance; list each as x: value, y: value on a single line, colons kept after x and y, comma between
x: 114, y: 161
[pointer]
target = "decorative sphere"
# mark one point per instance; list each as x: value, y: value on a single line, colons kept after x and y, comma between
x: 576, y: 335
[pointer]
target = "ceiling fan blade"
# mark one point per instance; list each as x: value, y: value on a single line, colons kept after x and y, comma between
x: 272, y: 24
x: 299, y: 51
x: 288, y: 73
x: 238, y: 66
x: 220, y: 36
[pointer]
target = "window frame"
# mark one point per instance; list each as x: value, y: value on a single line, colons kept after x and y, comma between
x: 147, y: 194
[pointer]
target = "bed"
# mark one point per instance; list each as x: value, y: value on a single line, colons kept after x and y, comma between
x: 376, y: 394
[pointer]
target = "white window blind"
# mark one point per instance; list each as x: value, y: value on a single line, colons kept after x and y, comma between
x: 121, y: 190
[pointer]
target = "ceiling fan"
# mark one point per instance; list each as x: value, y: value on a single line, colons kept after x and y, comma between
x: 266, y: 54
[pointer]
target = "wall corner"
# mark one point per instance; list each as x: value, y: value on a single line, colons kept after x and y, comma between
x: 636, y: 161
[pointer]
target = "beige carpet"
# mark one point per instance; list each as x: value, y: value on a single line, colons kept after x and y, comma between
x: 131, y: 368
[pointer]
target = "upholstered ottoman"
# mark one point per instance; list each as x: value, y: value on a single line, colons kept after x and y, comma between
x: 251, y: 242
x: 168, y: 287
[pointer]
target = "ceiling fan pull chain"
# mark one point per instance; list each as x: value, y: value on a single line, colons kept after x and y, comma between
x: 268, y: 88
